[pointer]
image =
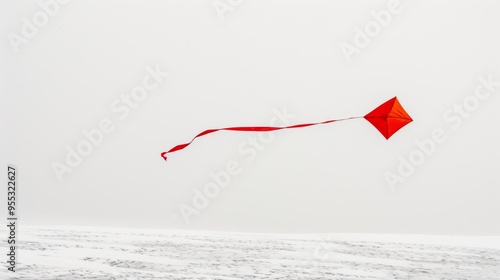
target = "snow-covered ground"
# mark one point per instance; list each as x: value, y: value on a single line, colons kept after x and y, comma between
x: 107, y: 253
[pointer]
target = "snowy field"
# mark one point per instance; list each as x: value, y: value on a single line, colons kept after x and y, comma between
x: 106, y: 253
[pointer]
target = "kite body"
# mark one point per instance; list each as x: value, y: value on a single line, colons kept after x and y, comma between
x: 387, y: 118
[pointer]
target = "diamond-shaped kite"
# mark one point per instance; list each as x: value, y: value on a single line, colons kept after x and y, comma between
x: 387, y: 118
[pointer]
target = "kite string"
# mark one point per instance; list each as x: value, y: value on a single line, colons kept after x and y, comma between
x: 249, y: 129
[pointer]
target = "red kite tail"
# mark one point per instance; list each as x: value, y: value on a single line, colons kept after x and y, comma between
x: 249, y: 129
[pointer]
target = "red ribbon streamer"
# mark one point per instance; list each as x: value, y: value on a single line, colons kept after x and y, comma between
x: 249, y: 129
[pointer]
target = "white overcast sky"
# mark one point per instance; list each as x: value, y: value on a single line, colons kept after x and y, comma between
x: 259, y: 58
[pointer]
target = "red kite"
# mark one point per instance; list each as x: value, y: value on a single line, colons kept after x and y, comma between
x: 388, y: 118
